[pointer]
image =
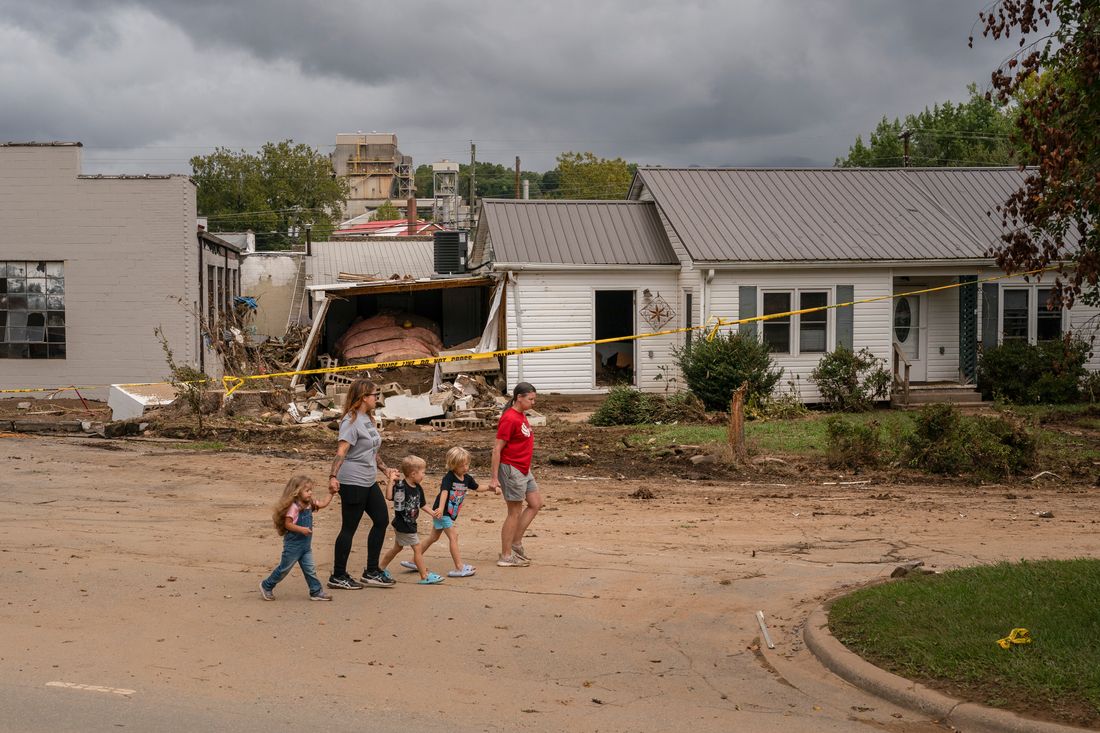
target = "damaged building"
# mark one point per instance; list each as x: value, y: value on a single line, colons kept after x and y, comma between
x: 405, y: 298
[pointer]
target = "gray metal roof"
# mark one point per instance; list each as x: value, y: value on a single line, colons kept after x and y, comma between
x: 576, y: 232
x: 771, y: 215
x: 383, y: 258
x: 971, y: 195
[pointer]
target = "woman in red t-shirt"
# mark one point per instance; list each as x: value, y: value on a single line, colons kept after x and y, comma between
x: 511, y: 472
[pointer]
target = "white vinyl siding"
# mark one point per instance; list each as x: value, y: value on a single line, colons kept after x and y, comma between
x: 1083, y: 320
x: 559, y: 307
x: 872, y: 321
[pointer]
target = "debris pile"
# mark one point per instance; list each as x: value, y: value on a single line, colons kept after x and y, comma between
x: 468, y: 402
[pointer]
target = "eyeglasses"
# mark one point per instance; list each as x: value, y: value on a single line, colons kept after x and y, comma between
x: 371, y: 394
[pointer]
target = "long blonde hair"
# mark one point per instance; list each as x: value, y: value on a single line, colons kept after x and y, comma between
x: 359, y: 389
x: 291, y: 494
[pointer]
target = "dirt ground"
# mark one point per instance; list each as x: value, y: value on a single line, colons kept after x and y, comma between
x: 132, y: 566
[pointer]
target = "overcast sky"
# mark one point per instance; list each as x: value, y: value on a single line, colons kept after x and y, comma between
x: 146, y: 84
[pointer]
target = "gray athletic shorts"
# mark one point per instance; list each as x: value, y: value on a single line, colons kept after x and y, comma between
x: 407, y: 539
x: 515, y: 485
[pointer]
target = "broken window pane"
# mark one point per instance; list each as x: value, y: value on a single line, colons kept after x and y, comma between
x: 32, y: 304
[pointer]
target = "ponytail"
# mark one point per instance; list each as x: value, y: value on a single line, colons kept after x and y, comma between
x: 520, y: 389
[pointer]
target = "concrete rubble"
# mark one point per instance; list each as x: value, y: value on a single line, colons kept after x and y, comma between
x: 469, y: 402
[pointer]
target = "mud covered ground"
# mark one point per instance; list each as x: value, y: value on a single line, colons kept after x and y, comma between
x: 132, y: 566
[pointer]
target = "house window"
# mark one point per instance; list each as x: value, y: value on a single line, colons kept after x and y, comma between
x: 211, y: 296
x: 813, y: 328
x: 32, y: 310
x: 1025, y: 315
x: 1048, y: 321
x: 806, y: 333
x: 1014, y: 316
x: 777, y: 331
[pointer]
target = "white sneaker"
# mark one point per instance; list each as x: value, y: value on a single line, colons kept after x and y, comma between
x: 511, y: 561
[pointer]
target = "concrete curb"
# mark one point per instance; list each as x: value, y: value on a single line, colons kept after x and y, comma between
x: 964, y: 716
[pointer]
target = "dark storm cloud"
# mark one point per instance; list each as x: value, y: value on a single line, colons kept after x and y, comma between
x: 702, y: 82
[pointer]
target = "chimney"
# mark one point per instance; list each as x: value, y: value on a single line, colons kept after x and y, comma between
x: 410, y: 214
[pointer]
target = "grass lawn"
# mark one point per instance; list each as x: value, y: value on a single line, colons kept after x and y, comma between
x: 943, y: 629
x: 801, y: 436
x: 1065, y: 435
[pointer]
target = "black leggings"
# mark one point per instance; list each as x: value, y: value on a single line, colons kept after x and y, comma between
x: 354, y: 502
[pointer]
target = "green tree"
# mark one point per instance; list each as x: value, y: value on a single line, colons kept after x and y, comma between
x: 973, y: 133
x: 1057, y: 79
x: 386, y: 212
x: 275, y: 192
x: 585, y: 176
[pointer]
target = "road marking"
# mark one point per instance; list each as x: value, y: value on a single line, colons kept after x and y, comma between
x: 92, y: 688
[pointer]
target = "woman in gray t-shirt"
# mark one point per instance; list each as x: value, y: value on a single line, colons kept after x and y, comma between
x: 354, y: 476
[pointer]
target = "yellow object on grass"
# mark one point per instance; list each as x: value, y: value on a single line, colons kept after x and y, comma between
x: 1016, y: 636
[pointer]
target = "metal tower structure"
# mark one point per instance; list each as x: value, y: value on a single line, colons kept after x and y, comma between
x: 445, y: 193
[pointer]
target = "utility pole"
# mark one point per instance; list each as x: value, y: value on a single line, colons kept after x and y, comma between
x: 473, y: 182
x: 905, y: 134
x: 517, y: 176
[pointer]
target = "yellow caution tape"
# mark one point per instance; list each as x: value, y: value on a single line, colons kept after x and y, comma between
x: 711, y: 326
x: 1016, y: 636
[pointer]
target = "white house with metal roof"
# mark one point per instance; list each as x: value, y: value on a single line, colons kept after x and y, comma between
x: 737, y: 243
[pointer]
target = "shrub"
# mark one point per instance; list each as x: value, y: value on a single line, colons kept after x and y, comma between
x: 946, y: 442
x: 678, y: 407
x: 851, y: 381
x: 1049, y: 372
x: 624, y: 406
x: 851, y: 444
x: 714, y: 369
x: 627, y: 406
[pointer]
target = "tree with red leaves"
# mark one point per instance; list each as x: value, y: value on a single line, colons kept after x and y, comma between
x: 1054, y: 216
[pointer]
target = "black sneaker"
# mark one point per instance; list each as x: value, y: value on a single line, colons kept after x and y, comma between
x: 378, y: 579
x: 344, y: 582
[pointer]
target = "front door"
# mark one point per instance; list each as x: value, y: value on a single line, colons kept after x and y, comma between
x: 911, y: 334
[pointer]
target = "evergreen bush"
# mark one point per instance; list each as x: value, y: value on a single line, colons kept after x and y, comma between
x: 1050, y: 372
x: 714, y: 369
x: 947, y: 442
x: 628, y: 406
x: 851, y: 444
x: 851, y: 381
